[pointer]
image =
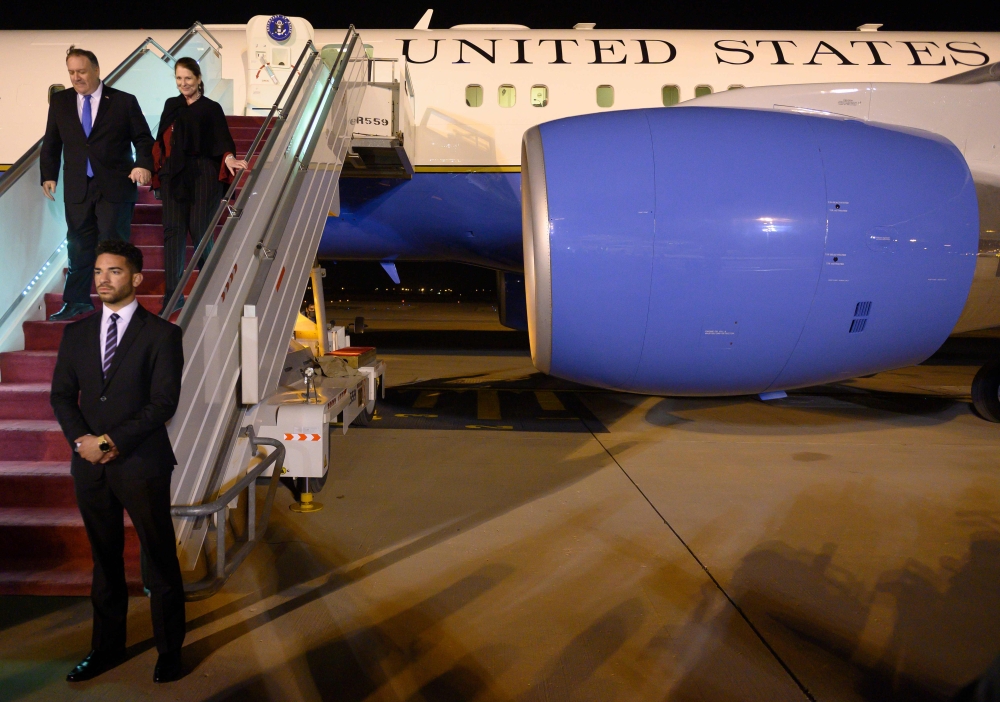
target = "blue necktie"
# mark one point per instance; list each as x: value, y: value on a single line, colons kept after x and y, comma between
x: 111, y: 345
x: 88, y: 124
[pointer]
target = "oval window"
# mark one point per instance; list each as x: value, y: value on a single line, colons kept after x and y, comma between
x: 506, y: 95
x: 670, y: 94
x: 55, y: 88
x: 473, y: 95
x: 539, y: 96
x: 605, y: 96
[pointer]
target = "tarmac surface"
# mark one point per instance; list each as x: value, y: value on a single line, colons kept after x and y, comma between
x: 495, y: 534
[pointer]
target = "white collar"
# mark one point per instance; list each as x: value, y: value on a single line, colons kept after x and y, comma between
x: 97, y: 94
x: 124, y: 314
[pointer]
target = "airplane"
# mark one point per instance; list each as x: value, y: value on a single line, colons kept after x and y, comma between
x: 817, y: 294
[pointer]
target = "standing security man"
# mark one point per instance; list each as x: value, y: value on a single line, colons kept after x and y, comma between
x: 117, y: 382
x: 94, y: 128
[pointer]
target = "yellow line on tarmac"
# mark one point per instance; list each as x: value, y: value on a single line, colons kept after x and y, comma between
x: 488, y: 402
x: 548, y: 401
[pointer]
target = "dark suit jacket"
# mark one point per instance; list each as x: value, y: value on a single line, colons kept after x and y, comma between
x: 133, y: 405
x: 119, y: 125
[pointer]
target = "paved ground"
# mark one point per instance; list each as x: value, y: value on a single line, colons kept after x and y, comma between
x: 495, y: 535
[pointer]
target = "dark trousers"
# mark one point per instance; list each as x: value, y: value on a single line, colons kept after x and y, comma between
x: 88, y: 222
x: 193, y: 216
x: 147, y: 501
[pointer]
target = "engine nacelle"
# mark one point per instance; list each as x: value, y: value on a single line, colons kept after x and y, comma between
x: 710, y: 251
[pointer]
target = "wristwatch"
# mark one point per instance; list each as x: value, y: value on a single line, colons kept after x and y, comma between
x: 105, y: 444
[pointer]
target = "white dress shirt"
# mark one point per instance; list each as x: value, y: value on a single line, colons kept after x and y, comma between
x: 95, y: 103
x: 124, y: 317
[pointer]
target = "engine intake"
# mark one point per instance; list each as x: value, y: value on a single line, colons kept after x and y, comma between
x: 740, y: 251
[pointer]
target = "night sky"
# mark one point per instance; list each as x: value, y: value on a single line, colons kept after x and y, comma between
x: 145, y: 14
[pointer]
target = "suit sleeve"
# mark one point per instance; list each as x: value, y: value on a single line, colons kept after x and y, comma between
x: 65, y: 396
x: 51, y: 146
x: 164, y: 394
x: 141, y: 138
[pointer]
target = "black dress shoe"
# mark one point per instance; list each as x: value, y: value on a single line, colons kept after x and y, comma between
x: 168, y: 668
x: 94, y: 664
x: 70, y: 310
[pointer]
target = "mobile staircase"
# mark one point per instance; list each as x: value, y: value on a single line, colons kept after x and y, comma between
x: 238, y: 317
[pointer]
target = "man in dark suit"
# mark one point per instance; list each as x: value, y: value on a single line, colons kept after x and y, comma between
x: 94, y: 128
x: 117, y: 381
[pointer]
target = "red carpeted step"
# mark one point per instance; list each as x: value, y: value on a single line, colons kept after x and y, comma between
x: 152, y: 256
x: 45, y: 336
x: 40, y: 483
x: 33, y: 440
x: 25, y: 532
x: 147, y: 214
x: 27, y: 366
x: 150, y: 234
x: 25, y: 401
x: 146, y: 196
x: 152, y: 283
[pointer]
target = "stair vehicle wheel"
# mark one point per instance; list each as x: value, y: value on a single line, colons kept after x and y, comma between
x: 365, y: 418
x: 986, y: 392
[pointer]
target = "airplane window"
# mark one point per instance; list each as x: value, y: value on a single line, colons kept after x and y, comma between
x: 473, y: 95
x: 55, y: 88
x: 605, y: 96
x: 735, y: 87
x: 671, y: 95
x: 702, y: 90
x: 507, y: 95
x: 539, y: 96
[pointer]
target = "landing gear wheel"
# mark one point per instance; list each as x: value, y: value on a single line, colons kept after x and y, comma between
x: 986, y: 392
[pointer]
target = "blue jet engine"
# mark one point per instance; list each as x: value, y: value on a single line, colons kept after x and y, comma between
x: 714, y: 251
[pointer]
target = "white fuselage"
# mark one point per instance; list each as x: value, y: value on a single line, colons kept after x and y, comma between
x: 569, y: 64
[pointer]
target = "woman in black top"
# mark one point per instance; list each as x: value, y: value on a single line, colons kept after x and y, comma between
x: 196, y: 159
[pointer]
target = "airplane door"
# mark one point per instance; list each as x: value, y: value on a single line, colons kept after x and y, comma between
x: 273, y: 45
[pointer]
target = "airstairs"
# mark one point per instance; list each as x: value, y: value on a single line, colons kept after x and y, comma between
x: 263, y: 250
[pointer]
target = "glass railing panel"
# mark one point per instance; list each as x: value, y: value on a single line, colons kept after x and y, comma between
x: 33, y: 238
x: 151, y: 79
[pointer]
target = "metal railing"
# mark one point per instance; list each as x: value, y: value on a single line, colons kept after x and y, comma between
x: 226, y: 563
x: 196, y: 28
x: 250, y: 175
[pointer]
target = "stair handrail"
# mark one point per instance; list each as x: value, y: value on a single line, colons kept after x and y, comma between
x: 194, y: 29
x: 226, y: 564
x: 251, y: 175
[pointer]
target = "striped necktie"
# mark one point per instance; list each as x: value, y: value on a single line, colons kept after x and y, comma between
x: 111, y: 344
x: 88, y: 125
